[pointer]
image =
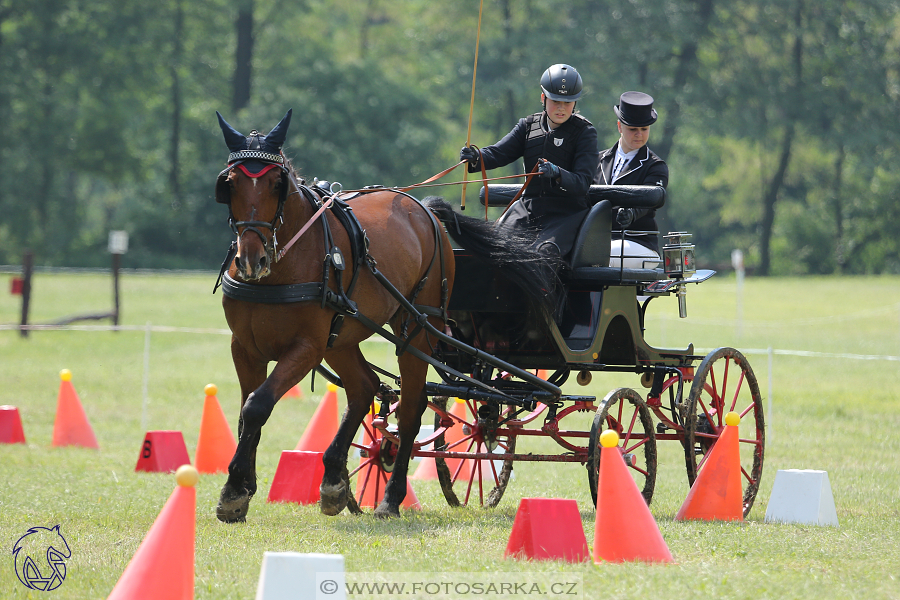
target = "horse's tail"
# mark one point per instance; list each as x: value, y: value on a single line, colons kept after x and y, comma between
x: 506, y: 248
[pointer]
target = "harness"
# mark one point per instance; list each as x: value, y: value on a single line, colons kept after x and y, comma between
x: 339, y: 299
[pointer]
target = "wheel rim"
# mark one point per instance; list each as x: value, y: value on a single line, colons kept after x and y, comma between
x: 724, y: 382
x: 465, y: 480
x: 625, y: 412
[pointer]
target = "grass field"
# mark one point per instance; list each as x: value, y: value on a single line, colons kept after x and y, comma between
x: 834, y: 413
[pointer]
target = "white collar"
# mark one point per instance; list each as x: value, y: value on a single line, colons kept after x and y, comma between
x: 627, y: 156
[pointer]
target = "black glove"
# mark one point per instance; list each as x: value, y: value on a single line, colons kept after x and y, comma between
x: 624, y: 217
x: 469, y: 154
x: 548, y: 169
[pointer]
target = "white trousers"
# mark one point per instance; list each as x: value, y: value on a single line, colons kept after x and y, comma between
x: 635, y: 255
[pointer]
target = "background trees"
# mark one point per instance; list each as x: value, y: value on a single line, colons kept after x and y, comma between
x: 778, y: 117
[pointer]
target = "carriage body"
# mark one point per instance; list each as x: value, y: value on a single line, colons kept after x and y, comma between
x: 684, y: 396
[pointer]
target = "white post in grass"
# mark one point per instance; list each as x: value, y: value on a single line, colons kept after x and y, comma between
x: 737, y: 261
x: 769, y: 409
x: 146, y: 381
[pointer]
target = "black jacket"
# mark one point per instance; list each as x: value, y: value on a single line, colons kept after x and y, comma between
x: 572, y: 147
x: 646, y: 168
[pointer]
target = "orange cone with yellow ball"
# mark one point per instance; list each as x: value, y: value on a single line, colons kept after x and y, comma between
x: 624, y: 529
x: 163, y: 566
x: 717, y: 494
x: 216, y: 443
x: 71, y: 427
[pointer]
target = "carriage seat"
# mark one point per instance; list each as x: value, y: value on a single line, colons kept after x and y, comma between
x: 590, y: 253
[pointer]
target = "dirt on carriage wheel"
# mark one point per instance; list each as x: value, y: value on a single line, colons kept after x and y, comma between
x: 625, y: 412
x: 723, y: 383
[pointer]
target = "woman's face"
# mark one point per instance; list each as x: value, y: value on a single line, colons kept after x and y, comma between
x: 557, y: 112
x: 633, y: 137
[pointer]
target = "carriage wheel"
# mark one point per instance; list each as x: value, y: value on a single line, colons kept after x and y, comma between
x: 377, y: 455
x: 477, y: 481
x: 722, y: 383
x: 625, y: 412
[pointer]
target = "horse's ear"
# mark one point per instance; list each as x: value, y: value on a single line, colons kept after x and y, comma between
x: 276, y: 137
x: 234, y: 139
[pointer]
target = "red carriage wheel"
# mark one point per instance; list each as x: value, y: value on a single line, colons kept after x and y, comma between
x: 722, y: 383
x: 465, y: 480
x: 378, y: 449
x: 625, y: 412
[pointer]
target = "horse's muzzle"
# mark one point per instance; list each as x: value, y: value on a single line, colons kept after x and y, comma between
x: 253, y: 268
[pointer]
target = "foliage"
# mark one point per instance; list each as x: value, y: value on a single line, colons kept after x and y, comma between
x: 778, y: 119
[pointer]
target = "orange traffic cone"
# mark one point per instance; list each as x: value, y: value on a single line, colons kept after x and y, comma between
x: 624, y: 528
x: 324, y: 424
x: 294, y: 392
x: 163, y: 566
x: 216, y: 443
x: 71, y: 427
x: 717, y: 493
x: 11, y: 431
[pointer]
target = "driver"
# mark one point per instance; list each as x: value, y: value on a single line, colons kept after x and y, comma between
x: 564, y: 146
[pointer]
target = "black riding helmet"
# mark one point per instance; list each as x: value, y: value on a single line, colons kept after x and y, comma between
x: 561, y: 83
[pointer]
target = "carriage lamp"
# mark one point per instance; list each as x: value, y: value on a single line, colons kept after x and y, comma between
x: 678, y: 258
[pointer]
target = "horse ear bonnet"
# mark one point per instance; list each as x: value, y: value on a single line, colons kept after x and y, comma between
x: 255, y: 152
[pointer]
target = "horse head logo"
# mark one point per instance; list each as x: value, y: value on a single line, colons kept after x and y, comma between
x: 40, y: 558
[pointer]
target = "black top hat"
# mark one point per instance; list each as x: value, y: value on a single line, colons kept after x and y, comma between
x: 635, y: 109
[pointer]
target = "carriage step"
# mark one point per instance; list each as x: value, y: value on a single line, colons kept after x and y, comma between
x: 661, y: 427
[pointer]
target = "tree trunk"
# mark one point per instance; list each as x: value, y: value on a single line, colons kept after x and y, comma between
x: 771, y: 196
x: 174, y: 149
x: 243, y: 64
x: 838, y: 208
x: 684, y: 73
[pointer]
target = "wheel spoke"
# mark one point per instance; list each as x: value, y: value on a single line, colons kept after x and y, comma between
x: 640, y: 443
x: 746, y: 410
x: 722, y: 394
x: 737, y: 391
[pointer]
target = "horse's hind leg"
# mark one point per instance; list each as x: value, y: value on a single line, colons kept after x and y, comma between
x: 413, y: 402
x: 360, y: 385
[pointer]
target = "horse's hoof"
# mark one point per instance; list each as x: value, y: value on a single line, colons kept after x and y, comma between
x: 233, y: 506
x: 386, y: 511
x: 333, y: 498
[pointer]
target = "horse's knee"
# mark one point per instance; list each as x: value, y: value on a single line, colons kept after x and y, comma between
x: 256, y: 410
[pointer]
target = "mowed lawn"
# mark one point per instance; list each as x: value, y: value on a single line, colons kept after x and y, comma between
x: 838, y: 411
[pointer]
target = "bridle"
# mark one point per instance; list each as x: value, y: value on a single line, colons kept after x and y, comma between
x: 236, y: 160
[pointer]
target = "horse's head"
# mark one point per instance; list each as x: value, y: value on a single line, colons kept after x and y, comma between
x: 254, y: 186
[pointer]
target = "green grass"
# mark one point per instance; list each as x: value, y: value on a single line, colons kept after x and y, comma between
x: 840, y: 415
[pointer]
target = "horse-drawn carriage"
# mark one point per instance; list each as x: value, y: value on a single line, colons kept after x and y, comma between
x: 387, y: 259
x: 601, y: 328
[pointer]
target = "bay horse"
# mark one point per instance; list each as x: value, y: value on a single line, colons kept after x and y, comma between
x: 318, y: 299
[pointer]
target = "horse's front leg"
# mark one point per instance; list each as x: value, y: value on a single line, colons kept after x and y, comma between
x: 259, y: 396
x: 234, y: 499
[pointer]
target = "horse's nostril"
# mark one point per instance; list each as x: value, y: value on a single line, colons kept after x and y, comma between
x: 263, y: 262
x: 237, y: 262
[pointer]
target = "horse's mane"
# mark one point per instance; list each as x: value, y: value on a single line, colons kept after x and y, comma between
x: 506, y: 248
